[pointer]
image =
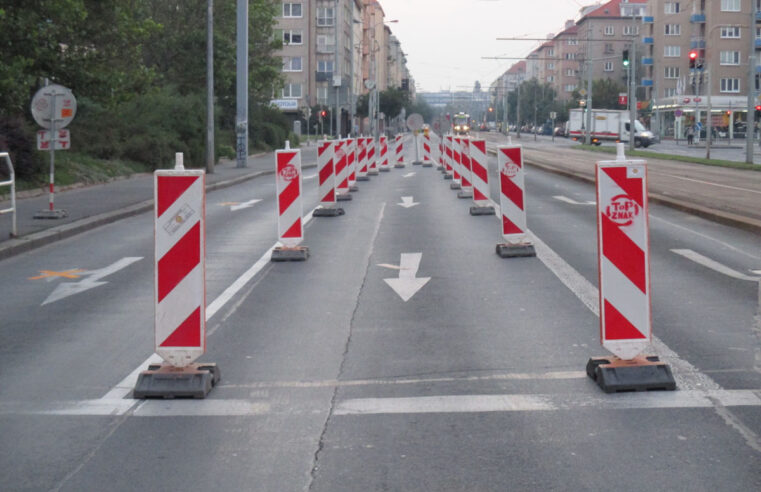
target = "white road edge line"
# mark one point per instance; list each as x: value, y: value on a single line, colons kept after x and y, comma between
x: 713, y: 264
x: 126, y: 385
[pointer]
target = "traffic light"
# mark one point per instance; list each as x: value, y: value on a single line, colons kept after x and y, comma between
x: 758, y: 107
x: 693, y: 55
x: 323, y: 113
x: 625, y: 58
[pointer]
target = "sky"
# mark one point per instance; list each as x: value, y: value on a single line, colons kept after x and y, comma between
x: 445, y: 40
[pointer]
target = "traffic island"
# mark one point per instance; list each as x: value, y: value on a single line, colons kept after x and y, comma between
x: 643, y: 373
x: 168, y: 382
x: 505, y: 250
x: 328, y: 211
x: 475, y: 210
x: 297, y: 253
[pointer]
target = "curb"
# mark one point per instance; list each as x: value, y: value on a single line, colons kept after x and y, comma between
x: 727, y: 218
x: 23, y: 244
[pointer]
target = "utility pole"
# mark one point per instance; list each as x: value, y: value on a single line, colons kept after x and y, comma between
x: 588, y: 105
x: 751, y: 119
x: 210, y: 155
x: 337, y: 72
x: 241, y: 119
x: 632, y: 93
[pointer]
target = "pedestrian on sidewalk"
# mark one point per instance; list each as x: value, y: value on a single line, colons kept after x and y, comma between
x: 690, y: 134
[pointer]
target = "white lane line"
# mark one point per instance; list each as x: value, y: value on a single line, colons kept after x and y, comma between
x: 711, y: 399
x: 248, y: 204
x: 748, y: 190
x: 704, y: 236
x: 713, y: 264
x: 549, y: 402
x: 123, y: 387
x: 572, y: 201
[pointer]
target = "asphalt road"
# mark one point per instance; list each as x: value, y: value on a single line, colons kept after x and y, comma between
x: 330, y: 381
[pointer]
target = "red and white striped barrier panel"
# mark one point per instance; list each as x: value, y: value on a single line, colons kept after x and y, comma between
x: 372, y: 156
x: 511, y: 193
x: 180, y: 255
x: 440, y: 154
x: 383, y: 154
x: 456, y: 162
x: 290, y: 208
x: 342, y: 168
x: 362, y: 143
x: 448, y: 157
x: 466, y: 179
x: 351, y: 161
x: 399, y: 151
x: 480, y: 174
x: 624, y: 257
x: 326, y: 172
x: 427, y: 150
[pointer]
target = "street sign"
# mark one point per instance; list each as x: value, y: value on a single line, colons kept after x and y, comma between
x: 415, y: 121
x: 678, y: 113
x: 623, y: 99
x: 553, y: 115
x: 583, y: 92
x: 62, y: 141
x: 56, y: 101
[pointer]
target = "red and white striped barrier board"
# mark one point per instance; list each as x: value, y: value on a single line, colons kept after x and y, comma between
x: 351, y: 160
x: 449, y: 155
x: 480, y: 174
x: 290, y: 209
x: 383, y: 152
x: 399, y: 150
x: 372, y: 156
x: 427, y: 152
x: 326, y: 172
x: 456, y: 160
x: 342, y: 169
x: 362, y: 144
x: 624, y: 257
x: 440, y: 154
x: 511, y: 196
x: 180, y: 255
x: 467, y: 184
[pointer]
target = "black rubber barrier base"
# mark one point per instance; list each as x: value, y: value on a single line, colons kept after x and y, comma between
x: 428, y: 164
x: 447, y: 176
x: 439, y: 168
x: 328, y: 212
x: 167, y: 381
x: 344, y: 197
x: 51, y: 214
x: 515, y: 250
x: 417, y: 163
x: 353, y: 188
x: 385, y: 169
x: 399, y: 165
x: 455, y: 186
x: 299, y: 253
x: 363, y: 178
x: 373, y: 172
x: 642, y: 373
x: 465, y: 194
x: 482, y: 210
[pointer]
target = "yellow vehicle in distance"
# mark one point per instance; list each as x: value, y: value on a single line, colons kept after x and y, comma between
x: 461, y: 124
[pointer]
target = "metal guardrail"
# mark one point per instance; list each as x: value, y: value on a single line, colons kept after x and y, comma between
x: 12, y: 183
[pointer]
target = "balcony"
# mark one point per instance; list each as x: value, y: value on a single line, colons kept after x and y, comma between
x: 698, y: 44
x: 647, y: 61
x: 648, y: 40
x: 758, y: 15
x: 326, y: 48
x: 698, y: 18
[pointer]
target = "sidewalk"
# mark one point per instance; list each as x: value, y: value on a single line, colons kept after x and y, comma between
x: 99, y: 204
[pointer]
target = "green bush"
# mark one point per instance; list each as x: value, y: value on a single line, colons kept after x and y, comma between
x: 294, y: 139
x: 17, y: 137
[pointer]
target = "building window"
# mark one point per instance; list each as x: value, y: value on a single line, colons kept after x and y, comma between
x: 550, y: 66
x: 671, y: 8
x: 291, y: 64
x: 608, y: 48
x: 730, y: 32
x: 730, y: 85
x: 758, y: 33
x: 322, y: 95
x: 629, y: 10
x: 729, y: 58
x: 570, y: 72
x: 669, y: 91
x: 631, y: 30
x: 325, y: 16
x: 570, y: 87
x: 326, y: 43
x: 607, y: 67
x: 570, y: 56
x: 550, y: 52
x: 292, y: 37
x: 550, y: 78
x: 730, y: 5
x: 292, y: 91
x: 673, y: 29
x: 671, y: 72
x: 325, y: 66
x: 573, y: 41
x: 672, y: 51
x: 291, y: 10
x: 609, y: 30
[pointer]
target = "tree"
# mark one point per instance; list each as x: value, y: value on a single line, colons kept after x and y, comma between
x: 605, y: 94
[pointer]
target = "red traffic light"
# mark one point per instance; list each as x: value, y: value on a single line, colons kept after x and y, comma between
x: 758, y: 108
x: 323, y: 113
x: 693, y: 54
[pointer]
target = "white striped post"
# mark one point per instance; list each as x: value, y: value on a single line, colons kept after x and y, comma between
x: 399, y: 151
x: 465, y: 176
x: 384, y: 164
x: 448, y: 157
x: 341, y: 151
x: 362, y: 167
x: 456, y: 164
x: 480, y: 174
x: 351, y: 162
x: 372, y: 157
x: 512, y: 203
x: 326, y: 188
x: 290, y: 226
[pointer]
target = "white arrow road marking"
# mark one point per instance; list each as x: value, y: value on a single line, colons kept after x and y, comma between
x: 67, y: 289
x: 713, y: 265
x: 407, y: 202
x: 572, y: 201
x: 243, y: 205
x: 408, y: 175
x: 407, y: 284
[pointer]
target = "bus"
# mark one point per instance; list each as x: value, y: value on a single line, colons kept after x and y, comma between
x: 461, y: 124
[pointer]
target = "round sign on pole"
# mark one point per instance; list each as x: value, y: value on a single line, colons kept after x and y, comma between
x: 415, y: 121
x: 50, y: 97
x: 678, y: 113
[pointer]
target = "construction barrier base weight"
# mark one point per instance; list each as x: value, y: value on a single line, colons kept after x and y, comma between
x: 343, y: 197
x: 364, y: 178
x: 51, y: 214
x: 465, y: 194
x: 427, y: 164
x: 488, y: 210
x: 642, y: 373
x: 505, y: 250
x: 455, y: 186
x: 167, y: 381
x: 353, y: 188
x: 385, y: 170
x: 447, y: 176
x: 298, y: 253
x: 328, y: 211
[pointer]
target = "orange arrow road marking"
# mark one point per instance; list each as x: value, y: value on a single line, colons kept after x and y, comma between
x: 65, y: 274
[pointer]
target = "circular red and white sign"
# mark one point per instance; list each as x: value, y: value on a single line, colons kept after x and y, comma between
x: 289, y: 172
x: 622, y: 210
x: 511, y: 169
